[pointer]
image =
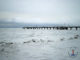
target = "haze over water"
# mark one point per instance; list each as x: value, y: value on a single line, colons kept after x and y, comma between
x: 17, y: 43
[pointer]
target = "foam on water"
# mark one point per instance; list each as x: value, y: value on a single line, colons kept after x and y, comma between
x: 23, y: 44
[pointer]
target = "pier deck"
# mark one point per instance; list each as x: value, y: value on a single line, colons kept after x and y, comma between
x: 57, y: 27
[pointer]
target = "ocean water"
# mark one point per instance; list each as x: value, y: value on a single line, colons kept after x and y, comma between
x: 39, y: 44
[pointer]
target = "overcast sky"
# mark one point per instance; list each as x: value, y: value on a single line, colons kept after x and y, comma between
x: 41, y: 11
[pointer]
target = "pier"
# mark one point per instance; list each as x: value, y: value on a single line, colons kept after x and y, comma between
x: 57, y: 27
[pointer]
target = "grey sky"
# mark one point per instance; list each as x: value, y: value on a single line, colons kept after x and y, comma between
x: 41, y: 11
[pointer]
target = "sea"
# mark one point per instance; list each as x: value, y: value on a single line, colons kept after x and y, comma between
x: 39, y: 44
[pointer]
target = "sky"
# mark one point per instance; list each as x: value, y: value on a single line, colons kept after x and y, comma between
x: 41, y: 11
